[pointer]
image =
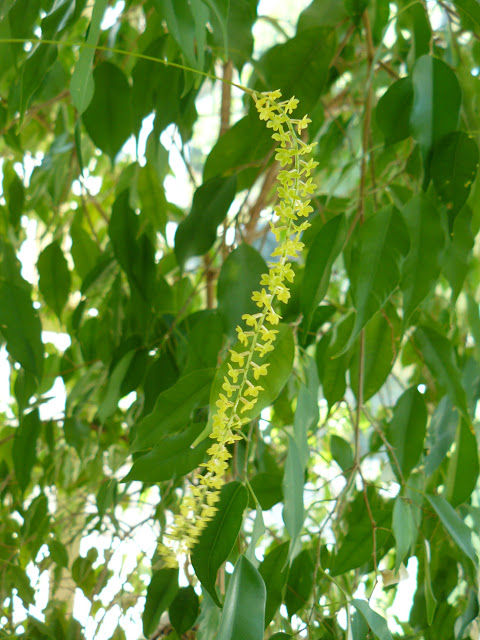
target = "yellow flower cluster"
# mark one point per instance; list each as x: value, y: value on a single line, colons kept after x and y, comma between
x: 245, y: 368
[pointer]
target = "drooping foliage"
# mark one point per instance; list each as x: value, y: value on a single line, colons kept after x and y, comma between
x: 143, y: 203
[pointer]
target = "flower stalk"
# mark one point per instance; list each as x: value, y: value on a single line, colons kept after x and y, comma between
x: 241, y: 386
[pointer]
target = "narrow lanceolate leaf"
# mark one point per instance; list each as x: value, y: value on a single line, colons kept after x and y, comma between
x: 430, y: 599
x: 404, y: 529
x: 24, y: 447
x: 82, y: 85
x: 454, y: 167
x: 160, y: 594
x: 463, y: 465
x: 274, y: 571
x: 427, y: 244
x: 243, y: 616
x: 436, y: 104
x: 323, y: 252
x: 439, y: 356
x: 55, y: 278
x: 293, y: 481
x: 219, y: 536
x: 108, y: 118
x: 456, y: 527
x: 375, y: 266
x: 376, y: 623
x: 173, y: 408
x: 21, y: 328
x: 406, y: 431
x: 196, y: 234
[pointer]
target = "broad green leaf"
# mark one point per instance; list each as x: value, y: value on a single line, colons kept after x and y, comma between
x: 112, y: 395
x: 274, y: 571
x: 455, y: 526
x: 436, y: 104
x: 470, y: 7
x: 208, y: 619
x: 267, y: 487
x: 463, y: 465
x: 281, y: 636
x: 375, y: 266
x: 470, y: 613
x: 406, y: 432
x: 197, y: 233
x: 76, y: 433
x: 184, y: 610
x: 454, y: 167
x: 232, y: 24
x: 342, y: 453
x: 21, y: 328
x: 239, y: 276
x: 205, y: 340
x: 243, y: 616
x: 430, y: 599
x: 58, y: 553
x: 299, y: 67
x: 14, y: 194
x: 456, y: 260
x: 404, y: 529
x: 281, y: 362
x: 359, y: 627
x: 323, y: 252
x: 422, y: 265
x: 55, y: 278
x: 241, y: 151
x: 393, y: 111
x: 24, y: 451
x: 152, y: 197
x: 415, y: 18
x: 440, y: 358
x: 108, y: 118
x: 160, y: 593
x: 321, y: 13
x: 33, y: 72
x: 218, y: 538
x: 441, y: 434
x: 376, y: 623
x: 382, y: 344
x: 299, y: 582
x: 355, y: 9
x: 84, y: 250
x: 171, y: 457
x: 332, y: 369
x: 293, y: 481
x: 173, y: 408
x: 82, y: 85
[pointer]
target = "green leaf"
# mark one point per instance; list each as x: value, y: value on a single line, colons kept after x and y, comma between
x: 293, y: 481
x: 243, y: 616
x: 33, y: 72
x: 152, y: 198
x: 160, y: 593
x: 184, y: 609
x: 85, y: 252
x: 455, y: 526
x: 382, y: 343
x: 24, y: 451
x: 274, y: 571
x: 239, y: 276
x: 173, y: 408
x: 197, y: 233
x: 456, y: 260
x: 470, y: 613
x: 422, y: 265
x: 108, y: 119
x: 232, y: 24
x: 454, y: 167
x: 58, y: 553
x: 21, y: 328
x: 267, y: 488
x: 306, y: 418
x: 112, y: 394
x: 82, y: 84
x: 281, y: 362
x: 205, y: 340
x: 14, y: 194
x: 219, y: 536
x: 55, y: 278
x: 241, y: 151
x: 375, y: 266
x: 299, y: 67
x: 470, y: 7
x: 299, y: 582
x: 376, y: 623
x: 171, y: 457
x: 321, y: 13
x: 441, y: 434
x: 323, y: 252
x: 356, y: 8
x: 341, y: 452
x: 463, y: 465
x: 436, y: 104
x: 406, y: 431
x: 430, y: 599
x: 440, y: 358
x: 393, y: 111
x: 404, y: 529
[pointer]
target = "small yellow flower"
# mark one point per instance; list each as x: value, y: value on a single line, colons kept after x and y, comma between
x: 247, y: 404
x: 237, y: 358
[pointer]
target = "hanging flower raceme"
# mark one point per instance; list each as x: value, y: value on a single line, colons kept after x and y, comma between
x: 242, y: 384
